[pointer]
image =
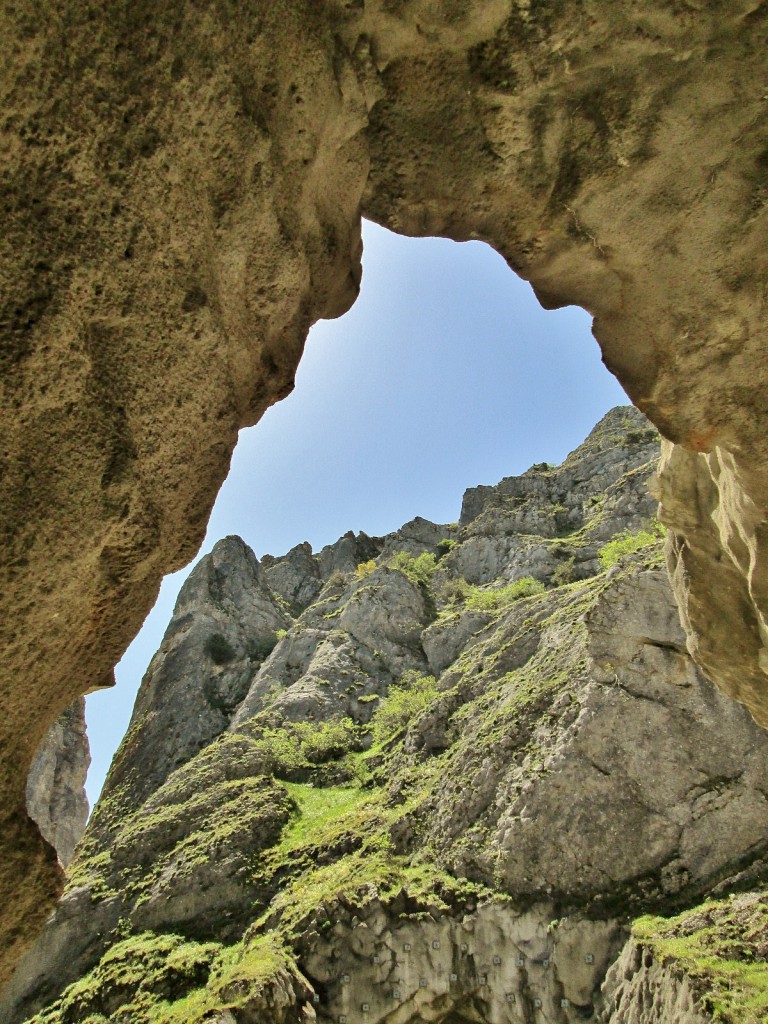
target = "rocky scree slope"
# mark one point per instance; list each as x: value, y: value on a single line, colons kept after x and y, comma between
x: 426, y: 776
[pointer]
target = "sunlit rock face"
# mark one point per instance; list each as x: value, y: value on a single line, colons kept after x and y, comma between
x: 715, y: 506
x: 416, y: 797
x: 183, y: 186
x: 56, y: 798
x: 643, y: 990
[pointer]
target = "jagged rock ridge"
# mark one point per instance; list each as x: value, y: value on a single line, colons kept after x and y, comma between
x: 409, y: 777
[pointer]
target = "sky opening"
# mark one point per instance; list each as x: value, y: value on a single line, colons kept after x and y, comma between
x: 445, y: 374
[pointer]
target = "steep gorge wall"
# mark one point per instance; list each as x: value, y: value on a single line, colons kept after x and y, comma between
x: 182, y: 187
x: 412, y: 774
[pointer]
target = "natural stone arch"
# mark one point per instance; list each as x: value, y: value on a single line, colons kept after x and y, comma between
x: 183, y: 185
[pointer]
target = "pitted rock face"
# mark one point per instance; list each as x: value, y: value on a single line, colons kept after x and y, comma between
x: 489, y: 967
x: 183, y: 186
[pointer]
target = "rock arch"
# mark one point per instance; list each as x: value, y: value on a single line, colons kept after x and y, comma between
x: 182, y: 191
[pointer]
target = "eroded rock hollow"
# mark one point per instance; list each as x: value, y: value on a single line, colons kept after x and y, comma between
x: 182, y: 187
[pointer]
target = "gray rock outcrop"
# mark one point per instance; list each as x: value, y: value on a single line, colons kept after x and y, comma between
x: 56, y: 798
x: 223, y: 627
x: 553, y: 791
x: 640, y: 989
x: 433, y: 797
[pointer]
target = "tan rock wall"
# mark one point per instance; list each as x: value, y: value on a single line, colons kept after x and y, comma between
x: 182, y: 186
x: 715, y: 504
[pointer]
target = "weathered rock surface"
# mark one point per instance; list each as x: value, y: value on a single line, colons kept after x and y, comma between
x: 182, y: 190
x: 494, y: 964
x: 223, y: 627
x: 716, y: 548
x: 56, y: 797
x: 705, y: 964
x: 601, y: 488
x: 347, y: 835
x: 640, y: 990
x: 548, y: 786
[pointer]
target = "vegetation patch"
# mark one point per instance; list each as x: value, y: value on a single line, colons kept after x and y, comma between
x: 327, y: 823
x: 627, y: 542
x: 319, y: 811
x: 237, y: 982
x: 405, y: 701
x: 454, y: 592
x: 418, y: 568
x: 364, y: 569
x: 219, y: 649
x: 499, y: 597
x: 723, y: 947
x: 294, y: 751
x: 359, y: 878
x: 565, y: 573
x: 133, y: 979
x: 229, y: 823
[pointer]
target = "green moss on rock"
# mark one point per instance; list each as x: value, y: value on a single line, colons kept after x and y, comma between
x: 722, y: 946
x: 132, y: 979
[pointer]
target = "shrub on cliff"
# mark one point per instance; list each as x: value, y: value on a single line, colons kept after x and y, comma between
x: 626, y: 542
x: 491, y: 600
x: 364, y: 569
x: 404, y: 702
x: 418, y: 568
x: 294, y: 749
x: 219, y: 649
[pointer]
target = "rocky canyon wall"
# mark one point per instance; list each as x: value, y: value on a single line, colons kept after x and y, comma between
x: 433, y: 776
x: 182, y: 186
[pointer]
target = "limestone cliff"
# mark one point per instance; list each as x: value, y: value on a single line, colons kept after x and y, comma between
x: 434, y: 774
x: 182, y: 186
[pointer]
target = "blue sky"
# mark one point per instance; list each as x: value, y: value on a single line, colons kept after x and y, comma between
x: 446, y: 373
